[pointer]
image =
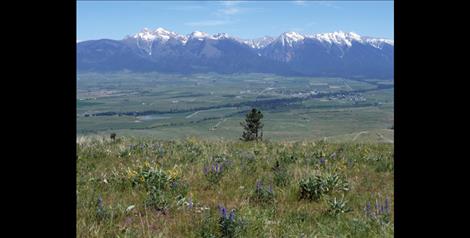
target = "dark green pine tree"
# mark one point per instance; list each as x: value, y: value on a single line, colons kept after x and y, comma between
x: 252, y: 126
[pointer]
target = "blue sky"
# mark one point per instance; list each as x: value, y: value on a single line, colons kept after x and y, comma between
x: 115, y: 20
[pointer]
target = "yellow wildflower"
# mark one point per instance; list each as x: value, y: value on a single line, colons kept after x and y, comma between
x: 175, y: 172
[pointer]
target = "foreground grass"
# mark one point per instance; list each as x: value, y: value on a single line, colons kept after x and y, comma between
x: 149, y: 188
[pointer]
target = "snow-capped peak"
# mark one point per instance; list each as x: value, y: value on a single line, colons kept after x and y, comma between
x: 146, y: 38
x: 346, y: 38
x: 159, y: 33
x: 377, y: 42
x: 294, y: 35
x: 163, y: 31
x: 290, y: 37
x: 338, y: 37
x: 145, y: 34
x: 198, y: 35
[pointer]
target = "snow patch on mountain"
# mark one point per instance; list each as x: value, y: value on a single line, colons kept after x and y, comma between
x: 146, y: 37
x: 377, y: 42
x: 338, y: 37
x: 289, y: 38
x: 257, y: 43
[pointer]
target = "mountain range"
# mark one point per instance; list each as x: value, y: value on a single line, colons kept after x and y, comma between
x: 337, y: 54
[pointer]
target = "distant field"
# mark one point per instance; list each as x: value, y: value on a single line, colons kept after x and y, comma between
x: 167, y: 106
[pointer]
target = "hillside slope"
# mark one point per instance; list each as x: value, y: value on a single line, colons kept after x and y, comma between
x: 194, y: 188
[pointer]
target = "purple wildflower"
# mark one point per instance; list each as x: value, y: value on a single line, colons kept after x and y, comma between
x: 223, y: 212
x: 387, y: 208
x: 322, y: 161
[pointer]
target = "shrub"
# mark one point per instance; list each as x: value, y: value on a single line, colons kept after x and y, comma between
x: 152, y: 178
x: 314, y: 187
x: 334, y: 181
x: 337, y: 206
x: 311, y: 188
x: 113, y: 136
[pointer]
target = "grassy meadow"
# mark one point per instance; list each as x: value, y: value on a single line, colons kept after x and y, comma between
x: 142, y: 187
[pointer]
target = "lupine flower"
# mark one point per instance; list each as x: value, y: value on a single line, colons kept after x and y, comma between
x: 380, y: 208
x: 386, y: 206
x: 224, y: 212
x: 322, y: 161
